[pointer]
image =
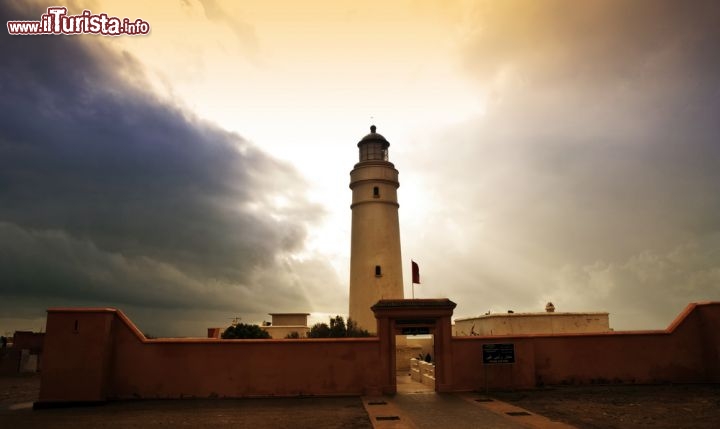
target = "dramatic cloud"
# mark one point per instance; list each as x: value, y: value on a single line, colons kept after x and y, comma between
x: 111, y: 196
x: 556, y: 150
x: 598, y: 154
x: 648, y: 287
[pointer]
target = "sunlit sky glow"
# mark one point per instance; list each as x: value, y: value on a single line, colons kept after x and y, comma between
x: 304, y: 81
x: 548, y: 151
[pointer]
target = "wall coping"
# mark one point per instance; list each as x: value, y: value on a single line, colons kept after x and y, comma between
x: 289, y: 314
x: 285, y: 326
x: 543, y: 314
x: 674, y: 325
x: 202, y: 340
x: 414, y: 303
x: 82, y: 310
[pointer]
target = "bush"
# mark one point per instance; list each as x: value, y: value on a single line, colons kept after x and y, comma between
x: 245, y: 331
x: 319, y: 330
x: 337, y: 329
x: 292, y: 335
x: 354, y: 331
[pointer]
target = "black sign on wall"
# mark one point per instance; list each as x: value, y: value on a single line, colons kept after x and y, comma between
x: 498, y: 353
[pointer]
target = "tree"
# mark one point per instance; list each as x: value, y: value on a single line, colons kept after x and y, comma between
x: 354, y: 331
x: 337, y: 329
x: 319, y: 330
x: 245, y: 331
x: 292, y: 335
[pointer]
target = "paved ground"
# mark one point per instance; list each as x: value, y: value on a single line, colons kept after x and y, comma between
x: 293, y: 413
x: 432, y: 410
x: 17, y: 394
x: 426, y: 409
x: 417, y: 406
x: 625, y: 407
x: 590, y: 407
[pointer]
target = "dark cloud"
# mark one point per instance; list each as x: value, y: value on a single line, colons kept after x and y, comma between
x: 599, y: 148
x: 110, y: 195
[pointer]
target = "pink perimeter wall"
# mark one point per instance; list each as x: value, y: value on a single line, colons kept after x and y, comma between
x: 107, y: 357
x: 97, y: 354
x: 687, y: 352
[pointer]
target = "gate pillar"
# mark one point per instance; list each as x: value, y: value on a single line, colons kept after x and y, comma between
x: 403, y: 316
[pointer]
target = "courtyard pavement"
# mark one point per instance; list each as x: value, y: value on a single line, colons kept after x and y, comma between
x: 417, y: 406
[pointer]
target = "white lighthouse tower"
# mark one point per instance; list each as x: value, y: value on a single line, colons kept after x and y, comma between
x: 375, y: 261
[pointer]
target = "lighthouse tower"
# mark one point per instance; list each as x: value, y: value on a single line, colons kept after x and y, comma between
x: 375, y: 262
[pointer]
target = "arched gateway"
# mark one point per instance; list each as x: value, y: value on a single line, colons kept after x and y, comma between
x: 412, y: 316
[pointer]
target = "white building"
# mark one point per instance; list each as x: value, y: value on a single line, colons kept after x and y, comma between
x: 548, y: 322
x: 284, y: 324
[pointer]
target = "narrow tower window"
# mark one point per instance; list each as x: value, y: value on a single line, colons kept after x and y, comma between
x: 376, y: 192
x: 378, y: 271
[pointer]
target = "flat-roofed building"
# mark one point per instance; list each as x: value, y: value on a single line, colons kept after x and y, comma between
x: 548, y: 322
x: 284, y: 324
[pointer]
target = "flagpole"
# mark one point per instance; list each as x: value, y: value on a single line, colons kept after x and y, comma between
x: 414, y: 270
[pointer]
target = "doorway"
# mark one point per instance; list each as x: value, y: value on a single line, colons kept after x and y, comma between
x: 414, y: 365
x: 428, y: 320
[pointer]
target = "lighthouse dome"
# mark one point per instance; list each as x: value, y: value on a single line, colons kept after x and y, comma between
x: 373, y: 147
x: 374, y: 136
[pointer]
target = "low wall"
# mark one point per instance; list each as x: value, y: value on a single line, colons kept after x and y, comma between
x: 32, y: 341
x: 687, y: 352
x: 93, y: 355
x: 24, y: 353
x: 98, y: 354
x: 9, y: 360
x: 422, y: 372
x: 411, y: 347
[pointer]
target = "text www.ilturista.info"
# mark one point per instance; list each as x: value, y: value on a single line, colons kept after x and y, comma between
x: 56, y: 21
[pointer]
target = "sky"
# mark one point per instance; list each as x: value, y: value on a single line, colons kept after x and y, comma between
x: 564, y: 151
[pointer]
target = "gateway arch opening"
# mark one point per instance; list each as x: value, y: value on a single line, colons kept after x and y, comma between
x: 398, y: 321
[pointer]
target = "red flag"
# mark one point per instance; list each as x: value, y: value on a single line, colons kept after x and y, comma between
x: 415, y: 272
